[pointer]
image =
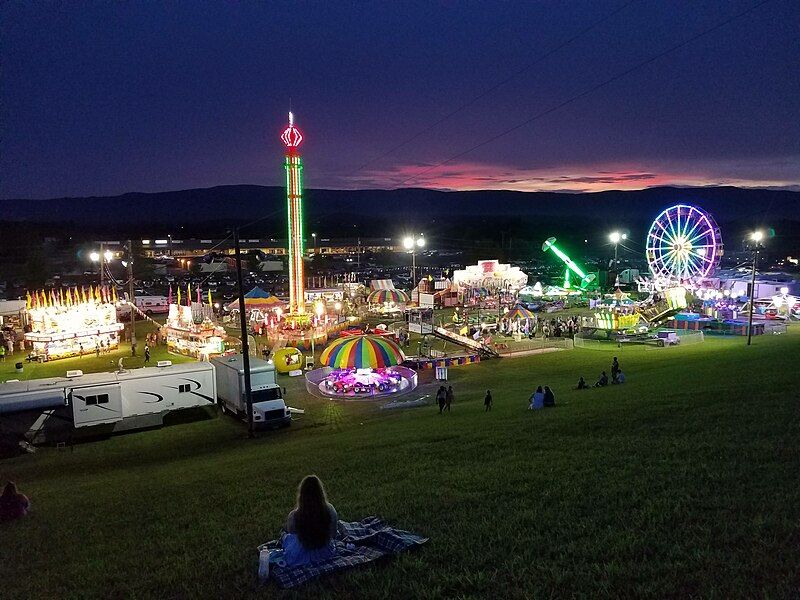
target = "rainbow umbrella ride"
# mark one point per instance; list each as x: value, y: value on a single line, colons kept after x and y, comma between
x: 362, y: 352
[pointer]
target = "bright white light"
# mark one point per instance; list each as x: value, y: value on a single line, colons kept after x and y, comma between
x: 615, y: 237
x: 421, y: 242
x: 145, y: 242
x: 624, y: 236
x: 94, y: 256
x: 319, y: 309
x: 408, y: 243
x: 338, y: 306
x: 108, y: 255
x: 784, y: 290
x: 757, y: 236
x: 161, y: 241
x: 727, y: 292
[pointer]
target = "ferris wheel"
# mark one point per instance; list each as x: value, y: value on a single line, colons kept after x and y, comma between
x: 684, y: 243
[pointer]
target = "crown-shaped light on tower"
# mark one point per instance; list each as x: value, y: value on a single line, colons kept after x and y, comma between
x: 291, y: 136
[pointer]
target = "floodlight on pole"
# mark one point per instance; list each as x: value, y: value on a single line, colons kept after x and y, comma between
x: 94, y: 256
x: 411, y: 244
x: 756, y: 238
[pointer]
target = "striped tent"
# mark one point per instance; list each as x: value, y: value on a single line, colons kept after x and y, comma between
x: 257, y: 298
x: 362, y: 352
x: 385, y: 296
x: 519, y: 312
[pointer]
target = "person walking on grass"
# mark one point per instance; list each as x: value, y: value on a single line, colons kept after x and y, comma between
x: 146, y: 354
x: 441, y: 398
x: 614, y: 368
x: 487, y: 401
x: 448, y: 398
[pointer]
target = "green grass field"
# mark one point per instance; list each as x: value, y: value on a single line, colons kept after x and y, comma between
x: 681, y: 483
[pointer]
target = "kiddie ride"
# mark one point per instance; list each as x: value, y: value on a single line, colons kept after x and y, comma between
x: 363, y: 381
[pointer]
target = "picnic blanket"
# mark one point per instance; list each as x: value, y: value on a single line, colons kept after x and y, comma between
x: 356, y: 542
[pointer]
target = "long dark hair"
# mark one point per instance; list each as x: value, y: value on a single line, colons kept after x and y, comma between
x: 10, y: 490
x: 312, y: 521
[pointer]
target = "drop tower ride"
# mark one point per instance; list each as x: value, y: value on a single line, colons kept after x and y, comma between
x: 293, y: 163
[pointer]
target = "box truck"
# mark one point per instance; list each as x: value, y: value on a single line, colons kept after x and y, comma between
x: 269, y: 408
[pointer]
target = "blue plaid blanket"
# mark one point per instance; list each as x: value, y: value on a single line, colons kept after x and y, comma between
x: 356, y: 543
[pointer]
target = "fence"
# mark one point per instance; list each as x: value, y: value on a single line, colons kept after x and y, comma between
x: 588, y: 342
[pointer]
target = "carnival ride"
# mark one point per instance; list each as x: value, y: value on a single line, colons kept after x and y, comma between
x: 361, y: 367
x: 72, y: 322
x: 684, y: 244
x: 588, y: 281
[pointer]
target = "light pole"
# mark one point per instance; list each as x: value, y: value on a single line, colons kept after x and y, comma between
x: 318, y: 309
x: 755, y: 238
x: 411, y: 244
x: 616, y: 237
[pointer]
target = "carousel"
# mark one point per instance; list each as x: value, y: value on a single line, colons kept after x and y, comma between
x: 72, y: 322
x: 361, y: 368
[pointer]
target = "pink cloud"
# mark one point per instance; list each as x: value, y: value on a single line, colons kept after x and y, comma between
x: 583, y: 178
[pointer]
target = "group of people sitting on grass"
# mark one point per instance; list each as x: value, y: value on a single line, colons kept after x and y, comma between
x: 617, y: 377
x: 542, y: 398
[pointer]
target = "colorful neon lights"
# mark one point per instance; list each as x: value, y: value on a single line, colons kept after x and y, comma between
x: 586, y: 280
x: 293, y: 164
x: 684, y: 243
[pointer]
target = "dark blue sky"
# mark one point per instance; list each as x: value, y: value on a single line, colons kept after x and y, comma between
x: 105, y: 98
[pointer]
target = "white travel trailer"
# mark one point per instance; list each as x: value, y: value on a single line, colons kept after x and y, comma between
x: 109, y: 402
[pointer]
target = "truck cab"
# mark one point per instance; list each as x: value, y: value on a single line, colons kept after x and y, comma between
x: 269, y: 408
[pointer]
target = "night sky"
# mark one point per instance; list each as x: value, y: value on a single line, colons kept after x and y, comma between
x: 106, y: 98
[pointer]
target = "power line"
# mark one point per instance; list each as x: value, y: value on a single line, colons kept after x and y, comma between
x: 589, y: 90
x: 496, y: 86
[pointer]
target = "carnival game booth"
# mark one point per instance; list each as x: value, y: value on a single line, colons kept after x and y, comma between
x: 491, y: 275
x: 361, y: 368
x: 72, y: 323
x: 436, y: 293
x: 387, y: 301
x: 191, y: 331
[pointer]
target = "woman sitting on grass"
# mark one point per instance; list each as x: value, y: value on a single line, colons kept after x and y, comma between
x: 311, y: 526
x: 13, y: 505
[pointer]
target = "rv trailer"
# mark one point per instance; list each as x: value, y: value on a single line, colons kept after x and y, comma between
x: 105, y: 402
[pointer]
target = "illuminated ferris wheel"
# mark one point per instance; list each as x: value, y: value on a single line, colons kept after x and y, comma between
x: 684, y: 243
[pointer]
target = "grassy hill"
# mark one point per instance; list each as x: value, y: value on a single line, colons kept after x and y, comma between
x: 682, y: 482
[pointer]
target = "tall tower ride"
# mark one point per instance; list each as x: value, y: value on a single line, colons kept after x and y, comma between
x: 294, y: 201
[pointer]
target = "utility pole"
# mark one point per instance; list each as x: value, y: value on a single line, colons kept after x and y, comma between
x: 131, y: 296
x: 248, y: 391
x: 102, y: 258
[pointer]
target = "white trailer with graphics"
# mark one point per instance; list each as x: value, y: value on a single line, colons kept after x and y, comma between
x: 108, y: 402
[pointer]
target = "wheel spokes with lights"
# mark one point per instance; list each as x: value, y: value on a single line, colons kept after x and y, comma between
x: 683, y: 243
